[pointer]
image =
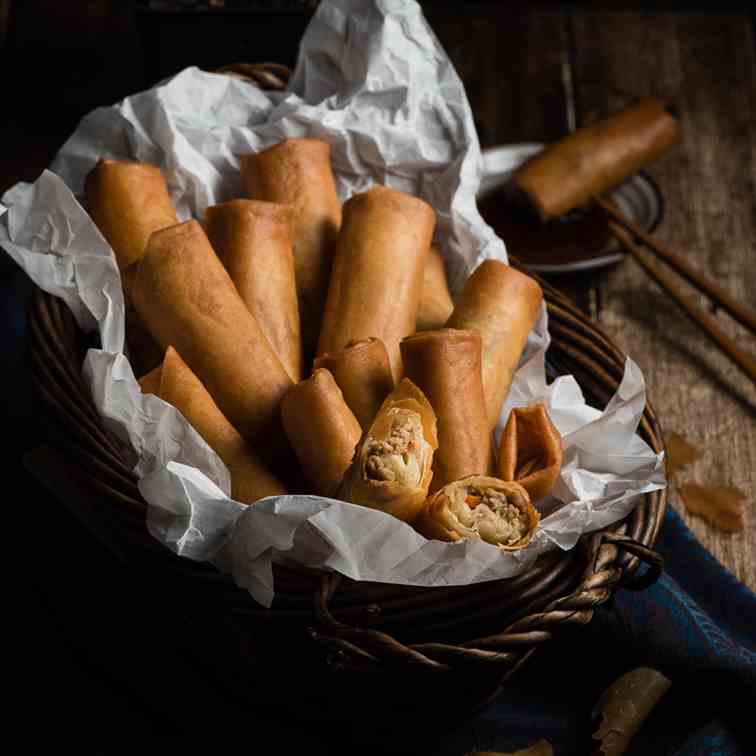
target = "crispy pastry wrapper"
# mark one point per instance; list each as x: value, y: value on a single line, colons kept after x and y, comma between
x: 363, y: 373
x: 436, y: 302
x: 393, y: 462
x: 321, y: 429
x: 480, y: 507
x: 394, y: 113
x: 530, y: 451
x: 150, y: 382
x: 593, y: 159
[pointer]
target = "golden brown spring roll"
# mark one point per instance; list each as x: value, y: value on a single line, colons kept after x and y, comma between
x: 184, y: 295
x: 363, y: 373
x: 445, y: 365
x: 150, y: 382
x: 253, y: 241
x: 127, y: 202
x: 436, y: 304
x: 321, y: 429
x: 378, y: 271
x: 179, y: 386
x: 502, y: 305
x: 478, y: 506
x: 298, y: 172
x: 392, y: 465
x: 530, y: 451
x: 595, y: 158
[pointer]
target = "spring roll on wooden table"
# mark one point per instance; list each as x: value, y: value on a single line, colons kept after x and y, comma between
x: 587, y: 162
x: 436, y: 303
x: 184, y: 295
x: 445, y: 365
x: 250, y: 478
x: 321, y: 429
x: 253, y: 240
x: 298, y: 172
x: 502, y: 305
x: 363, y: 373
x: 377, y: 272
x: 392, y: 465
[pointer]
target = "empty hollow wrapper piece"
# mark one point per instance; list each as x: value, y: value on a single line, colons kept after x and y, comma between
x: 298, y: 172
x: 567, y: 174
x: 392, y: 466
x: 250, y: 478
x: 445, y: 365
x: 184, y: 295
x: 501, y: 304
x: 253, y: 240
x: 530, y: 451
x: 436, y: 304
x: 377, y: 272
x: 497, y: 511
x: 150, y: 382
x: 321, y: 429
x: 127, y: 202
x: 363, y: 373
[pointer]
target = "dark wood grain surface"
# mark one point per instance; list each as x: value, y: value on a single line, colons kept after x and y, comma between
x: 519, y: 75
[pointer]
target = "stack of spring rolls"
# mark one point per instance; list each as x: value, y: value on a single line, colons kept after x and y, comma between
x: 317, y: 349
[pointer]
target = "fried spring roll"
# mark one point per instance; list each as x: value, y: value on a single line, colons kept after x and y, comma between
x: 530, y: 451
x: 378, y: 271
x: 595, y: 158
x: 445, y: 365
x: 150, y: 382
x: 253, y: 240
x: 179, y: 386
x: 436, y: 304
x: 321, y: 429
x: 392, y: 466
x: 363, y: 373
x: 502, y: 305
x: 127, y: 202
x: 478, y: 506
x: 298, y: 172
x: 184, y: 295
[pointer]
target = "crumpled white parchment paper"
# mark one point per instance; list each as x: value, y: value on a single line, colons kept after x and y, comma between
x: 372, y: 81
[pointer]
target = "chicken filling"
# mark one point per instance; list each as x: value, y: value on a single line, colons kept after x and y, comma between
x: 400, y: 456
x: 493, y: 516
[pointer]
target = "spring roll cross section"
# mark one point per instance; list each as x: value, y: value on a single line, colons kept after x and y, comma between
x: 253, y: 240
x: 298, y: 172
x: 250, y: 478
x: 363, y: 373
x: 321, y: 429
x: 501, y: 304
x: 478, y: 506
x: 184, y: 295
x: 377, y: 272
x: 392, y: 465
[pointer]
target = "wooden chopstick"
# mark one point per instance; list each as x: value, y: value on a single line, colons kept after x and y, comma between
x: 672, y: 286
x: 743, y: 315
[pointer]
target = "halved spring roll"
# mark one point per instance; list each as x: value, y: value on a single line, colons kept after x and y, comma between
x: 436, y: 304
x: 377, y: 272
x: 393, y: 463
x: 479, y: 506
x: 250, y: 478
x: 321, y: 429
x: 253, y: 240
x: 298, y: 172
x: 445, y: 365
x: 530, y: 451
x: 501, y: 304
x: 184, y: 295
x: 363, y: 373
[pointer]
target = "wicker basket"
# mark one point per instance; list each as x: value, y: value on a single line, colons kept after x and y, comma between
x: 476, y: 636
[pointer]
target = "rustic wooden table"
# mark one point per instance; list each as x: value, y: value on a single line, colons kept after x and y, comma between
x: 528, y: 74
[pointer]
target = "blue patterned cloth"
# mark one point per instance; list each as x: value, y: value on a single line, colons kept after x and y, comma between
x: 697, y: 625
